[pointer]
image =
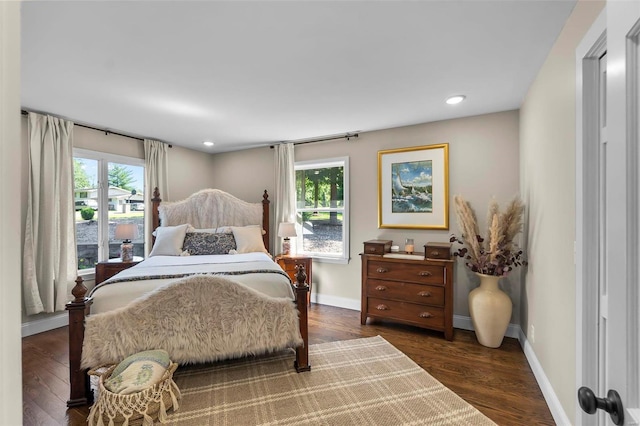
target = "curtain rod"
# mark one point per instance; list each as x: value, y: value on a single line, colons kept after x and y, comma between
x: 346, y: 136
x: 106, y: 131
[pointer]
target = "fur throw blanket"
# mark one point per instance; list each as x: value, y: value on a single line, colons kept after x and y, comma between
x: 210, y: 208
x: 196, y: 319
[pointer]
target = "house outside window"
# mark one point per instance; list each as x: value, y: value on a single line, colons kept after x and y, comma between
x: 108, y: 191
x: 322, y: 209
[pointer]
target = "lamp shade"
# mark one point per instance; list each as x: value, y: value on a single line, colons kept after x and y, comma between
x: 126, y: 231
x: 287, y: 230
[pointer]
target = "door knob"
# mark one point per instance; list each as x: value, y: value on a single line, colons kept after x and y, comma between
x: 612, y: 404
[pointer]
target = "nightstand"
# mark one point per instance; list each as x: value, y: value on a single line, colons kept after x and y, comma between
x: 108, y: 268
x: 289, y: 262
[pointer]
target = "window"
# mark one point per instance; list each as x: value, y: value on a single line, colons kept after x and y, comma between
x: 322, y: 209
x: 108, y: 190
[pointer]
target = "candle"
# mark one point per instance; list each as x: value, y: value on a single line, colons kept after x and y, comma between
x: 408, y: 245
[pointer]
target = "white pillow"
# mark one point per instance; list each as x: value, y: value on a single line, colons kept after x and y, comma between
x: 248, y: 239
x: 169, y: 240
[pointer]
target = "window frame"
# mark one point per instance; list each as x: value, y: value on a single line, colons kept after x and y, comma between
x: 103, y: 159
x: 327, y: 163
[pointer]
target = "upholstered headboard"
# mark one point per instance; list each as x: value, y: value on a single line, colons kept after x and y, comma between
x: 213, y: 208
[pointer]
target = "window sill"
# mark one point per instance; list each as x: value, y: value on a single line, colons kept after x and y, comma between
x: 337, y: 260
x: 87, y: 274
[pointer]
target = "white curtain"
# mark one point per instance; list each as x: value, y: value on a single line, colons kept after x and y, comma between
x: 50, y: 257
x: 156, y: 161
x: 285, y: 189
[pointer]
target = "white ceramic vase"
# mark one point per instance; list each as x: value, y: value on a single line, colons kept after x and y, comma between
x: 490, y: 310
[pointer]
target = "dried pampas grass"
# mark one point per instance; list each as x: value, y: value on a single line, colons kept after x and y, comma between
x: 498, y: 254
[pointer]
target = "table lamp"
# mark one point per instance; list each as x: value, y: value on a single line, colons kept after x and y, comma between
x: 126, y: 232
x: 287, y: 230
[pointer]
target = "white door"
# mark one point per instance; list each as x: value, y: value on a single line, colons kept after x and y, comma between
x: 620, y: 297
x: 623, y: 327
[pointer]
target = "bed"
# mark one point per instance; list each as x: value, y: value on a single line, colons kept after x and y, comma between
x: 195, y: 296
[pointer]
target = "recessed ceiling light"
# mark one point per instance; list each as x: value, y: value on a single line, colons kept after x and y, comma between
x: 207, y: 143
x: 455, y: 99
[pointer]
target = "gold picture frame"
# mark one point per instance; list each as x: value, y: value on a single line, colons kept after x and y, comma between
x: 413, y: 187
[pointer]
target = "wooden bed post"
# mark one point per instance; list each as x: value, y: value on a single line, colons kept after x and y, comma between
x: 302, y: 289
x: 79, y: 383
x: 155, y: 213
x: 265, y: 220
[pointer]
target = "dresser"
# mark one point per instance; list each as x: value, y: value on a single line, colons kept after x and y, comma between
x: 415, y: 291
x: 288, y: 264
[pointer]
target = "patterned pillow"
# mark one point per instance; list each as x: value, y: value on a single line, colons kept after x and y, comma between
x: 198, y: 243
x: 138, y: 371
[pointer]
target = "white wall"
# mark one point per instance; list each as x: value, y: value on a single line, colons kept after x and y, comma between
x: 483, y: 162
x: 246, y: 174
x: 547, y: 168
x: 10, y: 216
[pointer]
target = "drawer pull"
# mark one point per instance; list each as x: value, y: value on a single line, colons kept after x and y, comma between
x: 381, y: 288
x: 424, y: 294
x: 425, y: 273
x: 382, y: 307
x: 425, y: 315
x: 382, y: 270
x: 371, y: 249
x: 435, y: 253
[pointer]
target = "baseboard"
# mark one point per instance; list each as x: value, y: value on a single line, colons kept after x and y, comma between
x: 30, y: 328
x: 338, y: 302
x: 464, y: 323
x: 558, y: 413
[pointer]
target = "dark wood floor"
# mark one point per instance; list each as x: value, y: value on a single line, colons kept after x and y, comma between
x: 498, y: 382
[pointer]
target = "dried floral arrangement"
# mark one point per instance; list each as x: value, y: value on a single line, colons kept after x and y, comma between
x: 497, y: 254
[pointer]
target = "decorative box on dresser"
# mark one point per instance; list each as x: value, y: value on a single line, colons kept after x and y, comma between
x: 411, y: 290
x: 108, y: 268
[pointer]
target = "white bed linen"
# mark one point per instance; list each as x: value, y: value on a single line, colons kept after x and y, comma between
x: 107, y: 296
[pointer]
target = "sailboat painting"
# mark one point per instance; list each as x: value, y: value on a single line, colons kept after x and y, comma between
x: 412, y: 187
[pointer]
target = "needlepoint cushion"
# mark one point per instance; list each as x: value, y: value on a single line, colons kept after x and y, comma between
x: 138, y: 371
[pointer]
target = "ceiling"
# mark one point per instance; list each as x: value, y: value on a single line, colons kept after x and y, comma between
x: 244, y: 74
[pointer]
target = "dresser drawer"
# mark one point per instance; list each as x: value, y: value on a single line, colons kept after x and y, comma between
x: 416, y: 293
x: 417, y: 273
x: 427, y: 316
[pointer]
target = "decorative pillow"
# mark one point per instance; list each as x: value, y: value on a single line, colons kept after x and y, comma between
x: 197, y: 243
x: 218, y: 230
x: 249, y: 239
x: 169, y: 240
x: 138, y: 371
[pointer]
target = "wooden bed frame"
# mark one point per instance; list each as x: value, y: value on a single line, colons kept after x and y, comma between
x: 80, y: 307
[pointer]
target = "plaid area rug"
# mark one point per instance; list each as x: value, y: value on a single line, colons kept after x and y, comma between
x: 354, y: 382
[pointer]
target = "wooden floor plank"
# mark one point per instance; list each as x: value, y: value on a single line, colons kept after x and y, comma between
x: 498, y: 382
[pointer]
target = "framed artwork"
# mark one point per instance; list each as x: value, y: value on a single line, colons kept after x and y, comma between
x: 413, y: 187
